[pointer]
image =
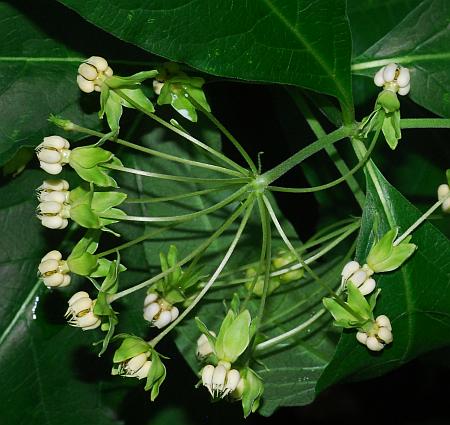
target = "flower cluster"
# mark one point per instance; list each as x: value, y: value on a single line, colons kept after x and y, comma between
x: 81, y: 312
x: 378, y: 335
x: 220, y: 380
x: 91, y: 74
x: 53, y: 270
x: 394, y: 78
x: 53, y: 153
x: 54, y: 207
x: 158, y: 311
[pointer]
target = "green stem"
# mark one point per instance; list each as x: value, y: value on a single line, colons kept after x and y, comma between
x: 186, y: 259
x: 184, y: 179
x: 425, y: 123
x: 332, y: 152
x: 334, y: 182
x: 416, y: 224
x: 182, y: 133
x: 289, y: 334
x: 155, y: 199
x: 267, y: 237
x: 211, y: 281
x: 276, y: 172
x: 75, y: 127
x: 222, y: 128
x: 183, y: 217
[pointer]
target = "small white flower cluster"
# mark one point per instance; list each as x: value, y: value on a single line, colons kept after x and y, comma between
x: 136, y: 367
x: 81, y: 312
x: 54, y: 208
x: 158, y: 311
x: 204, y: 348
x: 54, y: 270
x: 221, y: 380
x: 377, y: 337
x: 393, y: 77
x: 359, y: 276
x: 91, y: 74
x: 444, y: 195
x: 53, y: 153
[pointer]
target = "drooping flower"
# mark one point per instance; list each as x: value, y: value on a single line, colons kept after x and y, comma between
x: 81, y: 312
x: 54, y: 270
x: 53, y: 153
x: 91, y: 74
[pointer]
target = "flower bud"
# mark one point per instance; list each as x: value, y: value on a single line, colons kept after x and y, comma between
x: 204, y: 348
x: 54, y: 208
x: 92, y: 73
x: 81, y: 312
x: 378, y: 335
x: 393, y: 77
x: 53, y: 153
x: 53, y: 270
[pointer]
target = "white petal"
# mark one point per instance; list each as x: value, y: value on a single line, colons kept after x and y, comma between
x: 98, y: 62
x: 53, y: 196
x: 50, y: 207
x: 443, y: 191
x: 350, y: 268
x: 404, y: 90
x: 47, y: 266
x: 143, y: 371
x: 52, y: 255
x: 151, y: 311
x: 77, y: 296
x: 383, y: 321
x: 361, y: 337
x: 150, y: 298
x: 373, y: 344
x: 89, y: 321
x: 108, y: 72
x: 446, y: 206
x: 81, y: 305
x: 218, y: 380
x: 174, y: 312
x: 56, y: 279
x: 55, y: 142
x: 163, y: 320
x: 49, y: 156
x: 207, y: 376
x: 51, y: 168
x: 378, y: 78
x: 88, y: 71
x: 358, y: 278
x: 53, y: 222
x: 367, y: 287
x: 55, y: 184
x: 66, y: 281
x: 85, y: 86
x: 385, y: 334
x: 389, y: 72
x: 135, y: 363
x: 403, y: 77
x: 233, y: 378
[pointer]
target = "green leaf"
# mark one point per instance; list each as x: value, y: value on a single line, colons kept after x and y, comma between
x: 301, y: 43
x: 419, y: 42
x: 419, y: 316
x: 156, y: 376
x: 35, y: 66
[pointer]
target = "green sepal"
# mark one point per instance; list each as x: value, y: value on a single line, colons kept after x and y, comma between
x: 357, y: 302
x: 385, y: 257
x: 447, y: 174
x: 103, y: 265
x: 253, y: 390
x: 139, y: 99
x: 89, y: 156
x: 103, y: 308
x: 113, y: 111
x: 388, y: 100
x: 131, y: 346
x: 234, y: 337
x: 118, y: 82
x: 156, y: 375
x: 373, y: 299
x: 373, y: 121
x: 111, y: 282
x: 342, y: 317
x: 104, y: 201
x: 84, y: 216
x: 174, y: 296
x: 173, y: 94
x: 104, y: 94
x: 391, y: 129
x: 205, y: 331
x: 81, y: 261
x: 112, y: 322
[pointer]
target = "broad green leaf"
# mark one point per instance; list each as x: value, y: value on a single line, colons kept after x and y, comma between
x: 298, y: 42
x: 420, y: 42
x: 37, y: 75
x: 413, y: 297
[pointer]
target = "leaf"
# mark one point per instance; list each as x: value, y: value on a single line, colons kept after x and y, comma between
x: 421, y: 43
x: 300, y: 42
x: 414, y: 297
x: 37, y: 76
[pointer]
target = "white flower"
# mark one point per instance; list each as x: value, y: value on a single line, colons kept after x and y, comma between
x: 53, y: 153
x: 204, y: 348
x: 393, y: 77
x: 220, y: 380
x: 54, y: 270
x: 91, y: 74
x: 81, y: 312
x: 158, y: 311
x: 359, y: 276
x: 54, y: 209
x: 444, y: 195
x: 136, y: 367
x: 378, y: 336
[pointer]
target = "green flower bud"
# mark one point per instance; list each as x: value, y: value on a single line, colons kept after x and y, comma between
x: 385, y: 257
x: 258, y: 288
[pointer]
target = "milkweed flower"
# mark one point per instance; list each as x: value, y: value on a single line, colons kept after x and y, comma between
x: 220, y: 380
x: 91, y: 74
x: 158, y: 311
x: 81, y: 312
x: 394, y: 78
x: 376, y: 338
x: 359, y: 276
x: 444, y: 195
x: 54, y: 208
x: 54, y: 270
x: 53, y: 153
